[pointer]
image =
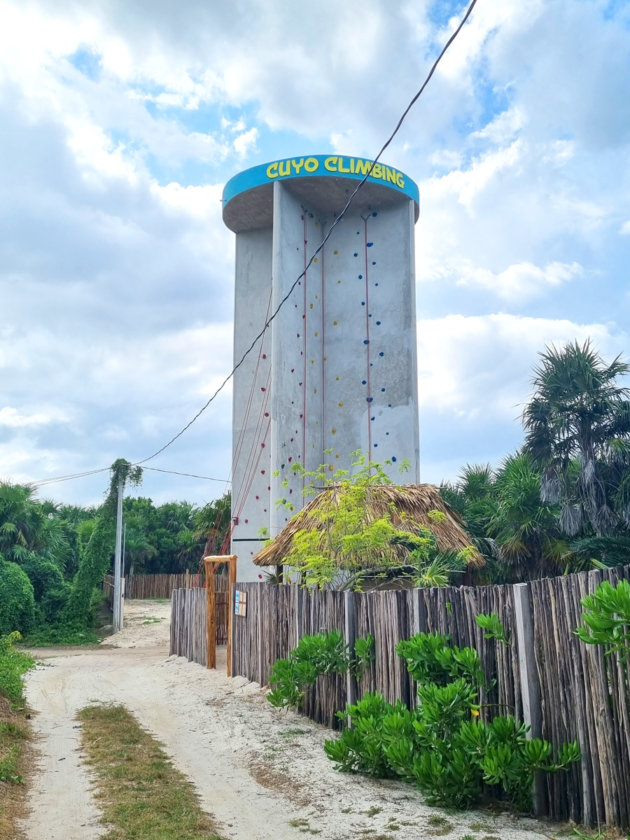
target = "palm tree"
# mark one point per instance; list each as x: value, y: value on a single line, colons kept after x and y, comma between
x: 473, y: 496
x: 578, y: 434
x: 30, y: 527
x: 524, y: 527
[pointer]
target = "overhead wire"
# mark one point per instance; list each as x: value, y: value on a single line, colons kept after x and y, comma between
x: 270, y: 319
x: 321, y: 245
x: 189, y: 475
x: 42, y: 482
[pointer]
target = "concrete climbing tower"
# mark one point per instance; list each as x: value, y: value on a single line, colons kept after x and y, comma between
x: 336, y: 369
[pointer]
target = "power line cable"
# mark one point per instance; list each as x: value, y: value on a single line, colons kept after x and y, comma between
x: 189, y: 475
x: 42, y: 482
x: 71, y: 477
x: 320, y: 246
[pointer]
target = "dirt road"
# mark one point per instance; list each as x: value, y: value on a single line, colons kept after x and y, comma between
x: 261, y: 772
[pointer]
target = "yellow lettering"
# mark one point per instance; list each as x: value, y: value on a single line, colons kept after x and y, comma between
x: 331, y: 164
x: 391, y: 175
x: 311, y: 164
x: 341, y: 168
x: 362, y: 167
x: 272, y: 170
x: 284, y: 168
x: 377, y: 172
x: 400, y: 181
x: 297, y: 165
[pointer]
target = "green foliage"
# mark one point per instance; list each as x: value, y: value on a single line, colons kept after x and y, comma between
x: 13, y: 665
x: 492, y: 627
x: 517, y: 532
x: 17, y: 601
x: 96, y: 556
x: 345, y: 545
x: 361, y: 749
x: 363, y: 653
x: 316, y: 655
x: 441, y: 745
x: 29, y: 526
x: 50, y: 589
x: 607, y: 618
x: 578, y: 432
x: 430, y: 658
x: 95, y: 561
x: 65, y: 550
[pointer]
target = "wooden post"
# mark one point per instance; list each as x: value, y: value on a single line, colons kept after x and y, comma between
x: 530, y: 687
x: 211, y: 565
x: 231, y: 585
x: 211, y: 620
x: 187, y: 581
x: 349, y: 631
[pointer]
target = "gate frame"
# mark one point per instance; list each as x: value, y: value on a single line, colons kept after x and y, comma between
x: 211, y: 564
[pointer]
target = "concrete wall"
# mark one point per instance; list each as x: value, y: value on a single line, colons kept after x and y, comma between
x: 336, y: 370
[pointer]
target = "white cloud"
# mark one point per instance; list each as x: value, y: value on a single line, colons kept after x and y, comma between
x: 121, y: 121
x: 482, y: 365
x: 246, y: 142
x: 12, y: 418
x: 475, y: 377
x: 522, y: 281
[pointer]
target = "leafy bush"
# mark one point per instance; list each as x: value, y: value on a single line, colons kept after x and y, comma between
x: 430, y: 658
x: 13, y: 665
x: 361, y: 749
x: 441, y: 745
x: 17, y: 602
x: 50, y: 589
x: 607, y: 618
x: 315, y: 655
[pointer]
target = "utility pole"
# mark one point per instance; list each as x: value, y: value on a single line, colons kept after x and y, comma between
x: 118, y: 604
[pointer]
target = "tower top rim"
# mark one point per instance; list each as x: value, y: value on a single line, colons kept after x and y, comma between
x: 327, y: 179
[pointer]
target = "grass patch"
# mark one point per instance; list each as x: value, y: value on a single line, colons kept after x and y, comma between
x: 152, y: 619
x: 440, y: 825
x: 14, y: 735
x: 143, y: 797
x: 14, y: 664
x: 60, y: 636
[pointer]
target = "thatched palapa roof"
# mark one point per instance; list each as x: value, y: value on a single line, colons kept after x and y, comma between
x: 408, y: 505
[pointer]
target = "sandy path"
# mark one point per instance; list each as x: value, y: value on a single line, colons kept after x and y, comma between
x: 260, y: 772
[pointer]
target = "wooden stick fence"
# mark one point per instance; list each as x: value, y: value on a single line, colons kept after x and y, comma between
x: 160, y: 586
x: 566, y: 690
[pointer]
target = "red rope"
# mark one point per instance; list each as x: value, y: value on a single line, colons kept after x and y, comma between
x: 305, y: 346
x: 239, y: 443
x: 367, y: 339
x: 253, y: 456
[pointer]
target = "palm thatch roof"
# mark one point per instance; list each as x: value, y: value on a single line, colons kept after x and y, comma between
x: 408, y: 506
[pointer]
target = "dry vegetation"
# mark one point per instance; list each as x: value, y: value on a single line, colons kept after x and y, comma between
x: 141, y: 794
x: 15, y: 761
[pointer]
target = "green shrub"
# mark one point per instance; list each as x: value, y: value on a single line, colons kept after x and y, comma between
x: 43, y: 574
x: 13, y: 665
x: 441, y: 745
x: 17, y: 602
x: 361, y: 748
x: 316, y: 655
x: 430, y: 658
x: 607, y: 618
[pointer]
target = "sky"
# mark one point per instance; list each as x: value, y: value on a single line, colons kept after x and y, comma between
x: 121, y: 121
